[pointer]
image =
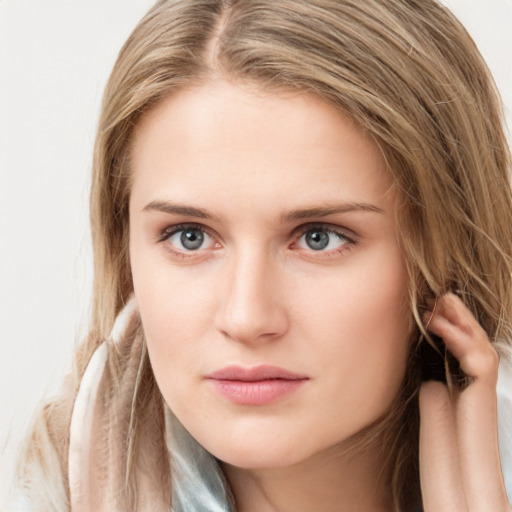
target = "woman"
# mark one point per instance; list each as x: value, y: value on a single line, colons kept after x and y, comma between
x: 297, y: 207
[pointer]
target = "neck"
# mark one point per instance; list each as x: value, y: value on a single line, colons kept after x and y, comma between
x: 331, y: 481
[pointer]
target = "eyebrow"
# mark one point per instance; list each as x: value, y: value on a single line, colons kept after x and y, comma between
x: 324, y: 211
x: 294, y: 215
x: 179, y: 209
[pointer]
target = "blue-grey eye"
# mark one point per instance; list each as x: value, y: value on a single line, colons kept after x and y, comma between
x: 190, y: 239
x: 320, y: 239
x: 317, y: 240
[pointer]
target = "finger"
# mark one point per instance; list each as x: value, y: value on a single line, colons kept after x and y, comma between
x: 465, y: 339
x: 441, y: 483
x: 476, y: 409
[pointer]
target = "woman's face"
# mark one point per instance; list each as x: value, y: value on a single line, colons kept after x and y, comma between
x: 266, y: 267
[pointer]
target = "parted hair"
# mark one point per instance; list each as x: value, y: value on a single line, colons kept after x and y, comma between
x: 412, y: 78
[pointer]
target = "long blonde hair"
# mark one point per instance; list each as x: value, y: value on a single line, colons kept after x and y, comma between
x: 409, y: 74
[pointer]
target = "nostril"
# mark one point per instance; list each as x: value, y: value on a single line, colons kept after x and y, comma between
x: 254, y: 325
x: 251, y: 309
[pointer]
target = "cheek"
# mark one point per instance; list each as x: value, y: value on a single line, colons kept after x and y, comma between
x: 173, y: 304
x: 360, y: 324
x: 175, y: 321
x: 176, y: 312
x: 364, y: 301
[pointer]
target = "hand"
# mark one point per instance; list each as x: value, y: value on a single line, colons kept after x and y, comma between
x: 460, y: 467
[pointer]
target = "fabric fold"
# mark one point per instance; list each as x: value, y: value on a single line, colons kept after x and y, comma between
x: 110, y: 470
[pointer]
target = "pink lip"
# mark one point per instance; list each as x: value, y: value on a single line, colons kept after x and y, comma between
x: 259, y: 385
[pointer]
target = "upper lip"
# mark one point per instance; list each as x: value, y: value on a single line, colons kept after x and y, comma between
x: 256, y: 373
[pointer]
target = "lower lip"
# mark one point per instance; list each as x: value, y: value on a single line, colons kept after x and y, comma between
x: 260, y: 392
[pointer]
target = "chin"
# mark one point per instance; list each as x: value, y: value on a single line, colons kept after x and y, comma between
x: 261, y: 452
x: 270, y: 458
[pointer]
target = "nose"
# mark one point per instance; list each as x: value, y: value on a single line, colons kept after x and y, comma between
x: 251, y: 309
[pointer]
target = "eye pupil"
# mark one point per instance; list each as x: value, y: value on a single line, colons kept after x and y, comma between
x: 192, y: 238
x: 317, y: 240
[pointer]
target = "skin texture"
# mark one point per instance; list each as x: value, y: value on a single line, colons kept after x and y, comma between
x: 254, y: 292
x: 459, y: 457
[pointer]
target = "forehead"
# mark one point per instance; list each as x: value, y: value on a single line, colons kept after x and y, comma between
x: 232, y: 146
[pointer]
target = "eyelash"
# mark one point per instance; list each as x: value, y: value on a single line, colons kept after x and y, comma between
x: 168, y: 232
x: 349, y: 238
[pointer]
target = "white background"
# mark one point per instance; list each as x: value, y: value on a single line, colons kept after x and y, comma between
x: 55, y: 56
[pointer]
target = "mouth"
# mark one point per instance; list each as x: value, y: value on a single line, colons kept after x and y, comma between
x: 260, y: 385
